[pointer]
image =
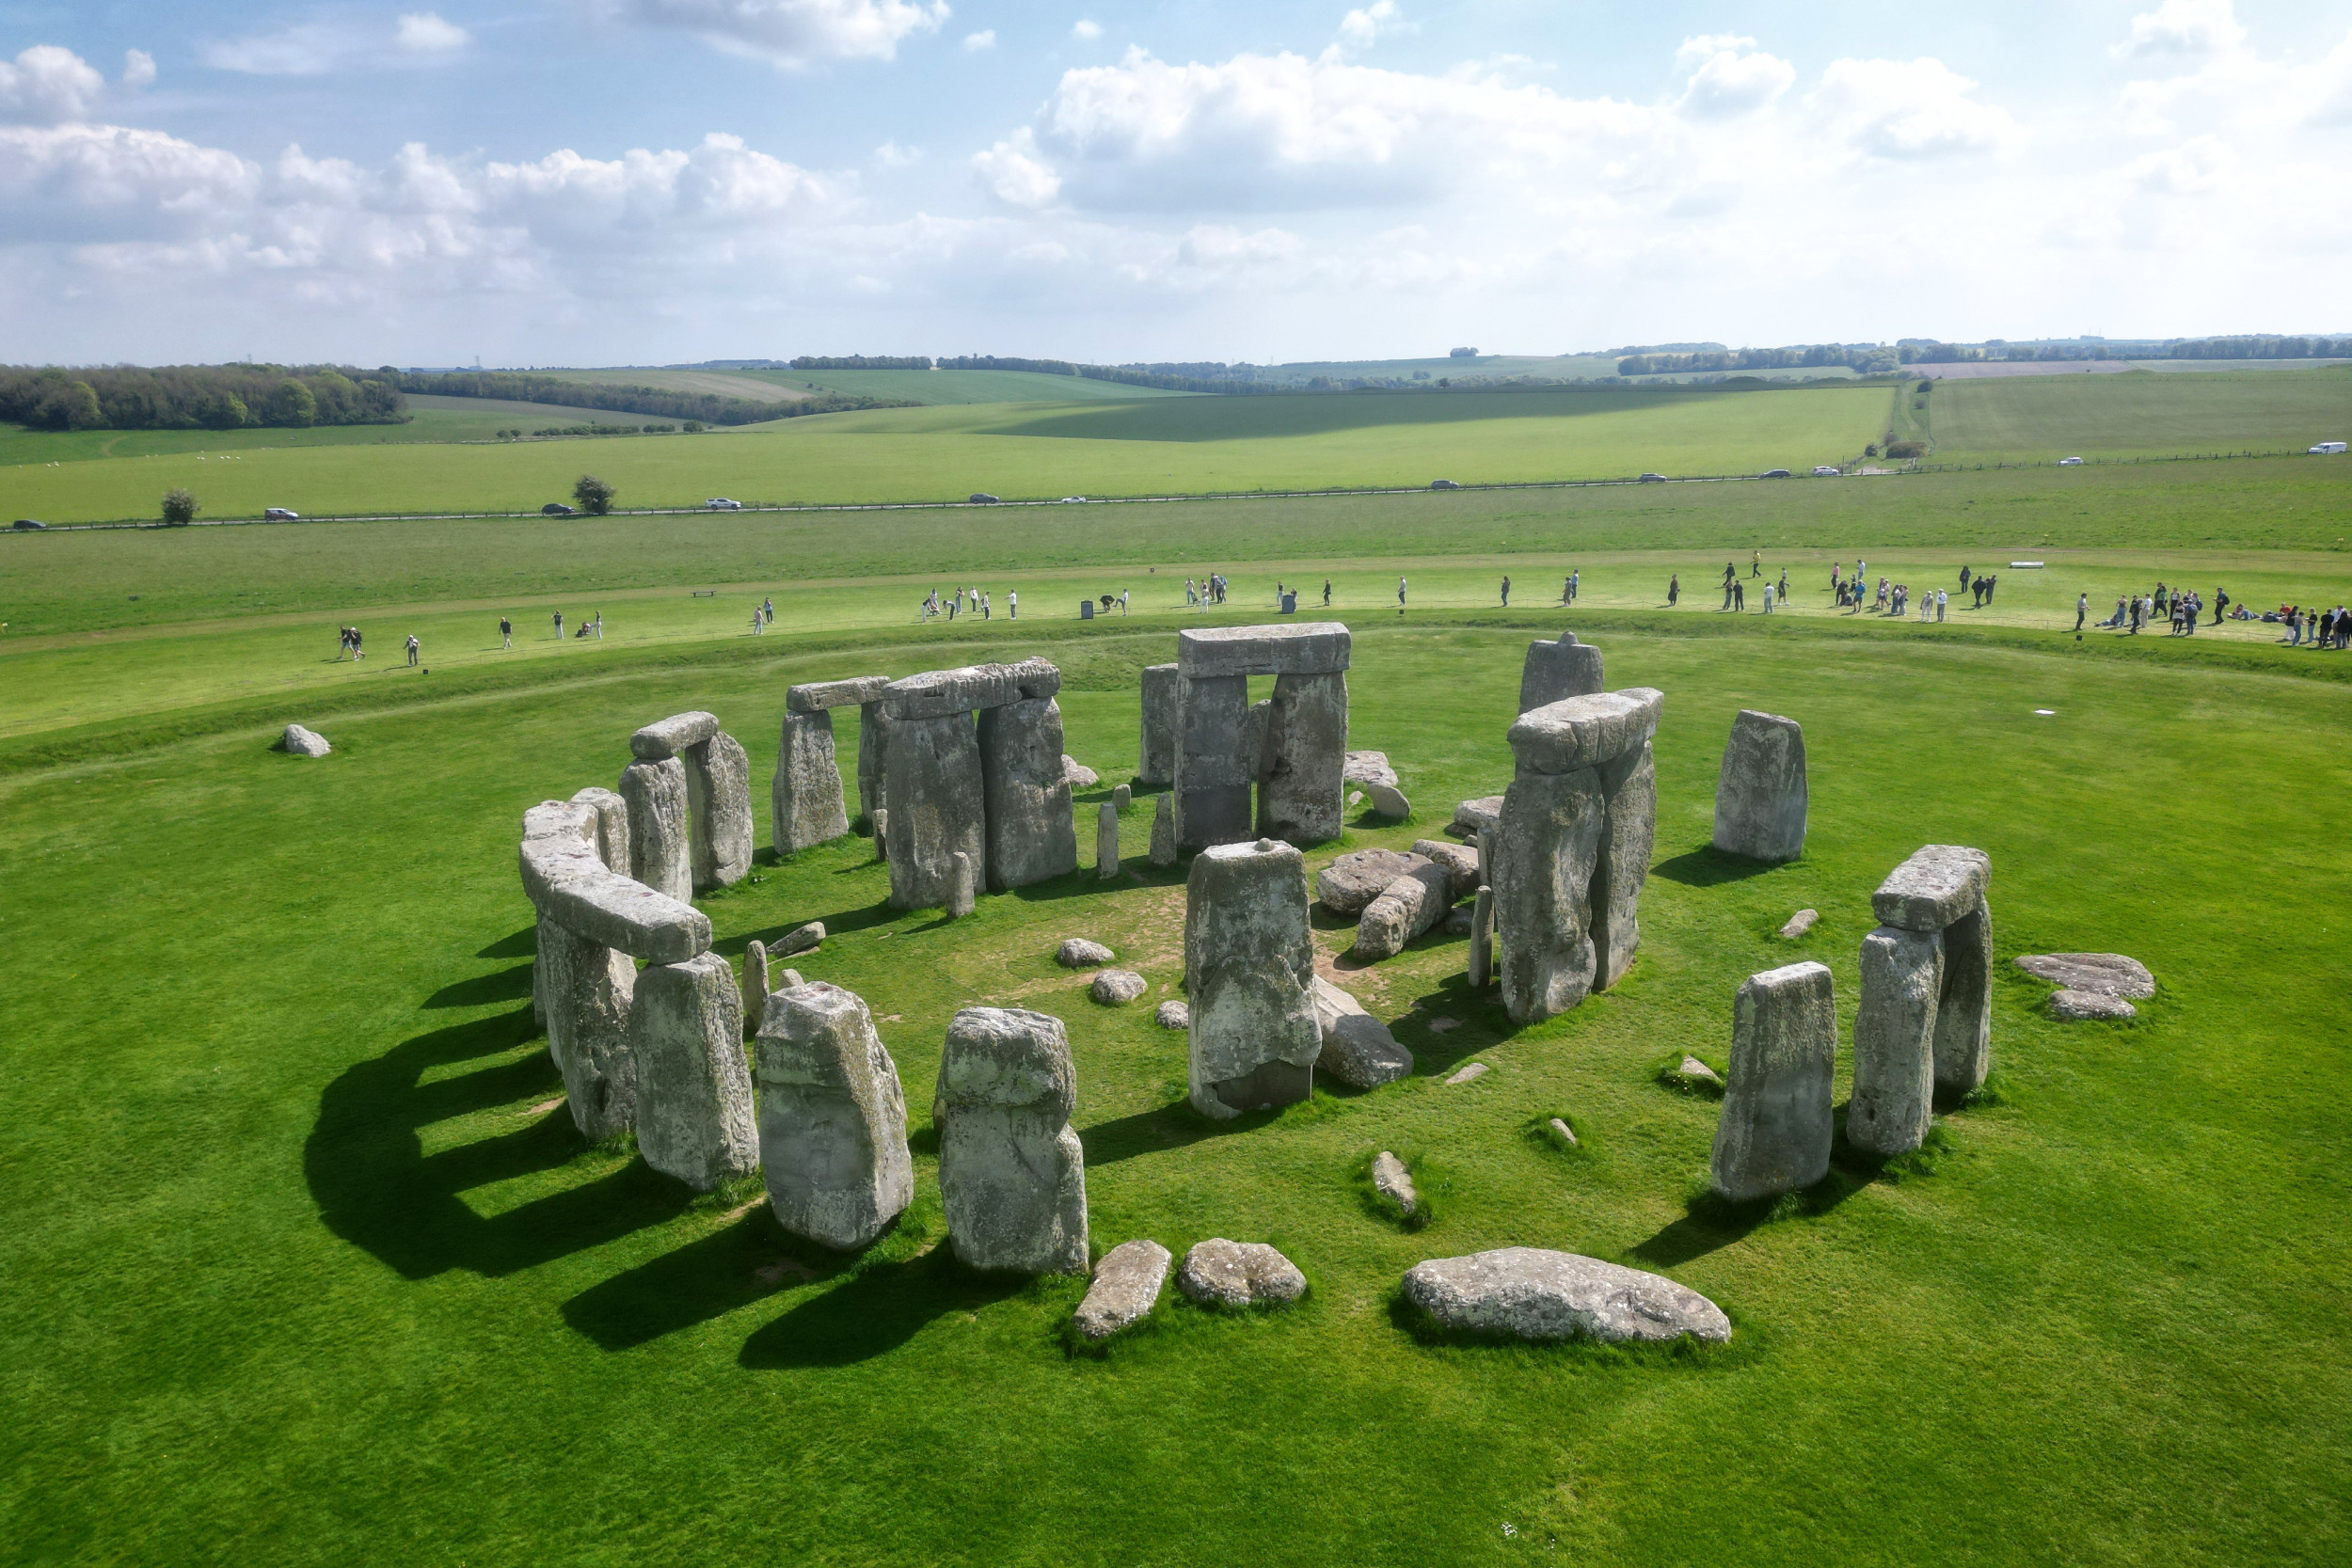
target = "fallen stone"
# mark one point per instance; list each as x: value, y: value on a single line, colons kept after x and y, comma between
x: 1404, y: 912
x: 1799, y: 924
x: 1695, y: 1075
x: 818, y: 696
x: 667, y: 738
x: 1303, y: 648
x: 1558, y: 669
x: 1357, y: 1048
x: 833, y: 1118
x: 1467, y: 1072
x: 1173, y: 1015
x: 1537, y: 1294
x: 1078, y: 953
x: 1472, y: 817
x: 719, y: 792
x: 1391, y: 1181
x: 1584, y: 732
x: 1938, y: 885
x: 1077, y: 774
x: 1012, y: 1174
x: 800, y: 939
x: 1164, y: 832
x: 1760, y: 790
x: 304, y: 743
x: 1370, y: 772
x: 1248, y: 970
x: 1158, y: 764
x: 1460, y: 921
x: 1774, y: 1135
x: 1562, y: 1131
x: 1116, y: 988
x: 754, y: 985
x: 1031, y: 835
x: 2090, y: 1006
x: 1894, y: 1041
x: 661, y: 834
x: 1239, y: 1275
x: 2106, y: 974
x: 1127, y: 1285
x: 694, y: 1117
x: 1360, y: 876
x: 1459, y: 860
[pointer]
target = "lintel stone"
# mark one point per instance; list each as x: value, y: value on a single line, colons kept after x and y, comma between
x: 667, y: 738
x: 1585, y: 732
x: 1308, y: 648
x: 816, y: 696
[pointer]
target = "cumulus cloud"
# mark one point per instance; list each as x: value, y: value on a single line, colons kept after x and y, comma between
x: 47, y: 85
x: 1729, y: 77
x: 1083, y: 29
x: 425, y: 33
x: 1904, y: 109
x: 1364, y: 27
x: 891, y: 155
x: 2189, y: 27
x: 138, y: 69
x: 2202, y: 164
x: 984, y: 39
x: 796, y: 33
x: 1013, y: 173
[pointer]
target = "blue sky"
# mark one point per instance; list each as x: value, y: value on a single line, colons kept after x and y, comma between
x: 584, y: 182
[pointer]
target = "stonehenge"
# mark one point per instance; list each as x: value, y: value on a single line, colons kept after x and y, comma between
x: 1370, y: 771
x: 1026, y: 799
x: 1760, y: 793
x: 1127, y: 1285
x: 1893, y: 1040
x: 1773, y: 1135
x: 689, y: 805
x: 1106, y: 842
x: 1357, y: 1048
x: 1012, y: 1174
x: 660, y: 851
x: 1536, y: 1294
x: 1556, y: 669
x: 833, y: 1118
x: 1570, y: 850
x: 1932, y: 914
x: 1407, y: 910
x: 693, y: 1088
x: 1249, y: 975
x: 1292, y: 749
x: 996, y: 791
x: 805, y: 800
x: 1158, y: 753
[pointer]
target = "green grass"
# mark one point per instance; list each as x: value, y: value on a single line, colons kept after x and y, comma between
x: 431, y: 420
x: 966, y: 387
x: 304, y: 1266
x: 2034, y: 419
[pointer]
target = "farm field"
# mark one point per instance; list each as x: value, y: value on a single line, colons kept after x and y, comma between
x: 965, y: 387
x: 347, y: 1277
x: 432, y: 419
x: 755, y: 384
x: 2032, y: 419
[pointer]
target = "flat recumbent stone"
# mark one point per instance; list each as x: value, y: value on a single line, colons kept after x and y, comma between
x: 1534, y: 1293
x: 1238, y: 1274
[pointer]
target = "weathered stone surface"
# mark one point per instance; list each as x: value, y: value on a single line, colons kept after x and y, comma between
x: 2104, y: 974
x: 1078, y: 953
x: 1173, y: 1015
x: 667, y: 738
x: 833, y: 1118
x: 1077, y: 774
x: 873, y: 746
x: 1558, y: 669
x: 612, y: 825
x: 2090, y: 1006
x: 1964, y: 1023
x: 1370, y: 772
x: 1481, y: 935
x: 805, y: 802
x: 1300, y: 648
x: 754, y: 985
x: 1121, y: 795
x: 881, y: 833
x: 1459, y: 860
x: 1563, y: 1133
x: 719, y: 788
x: 1774, y: 1135
x: 1030, y: 836
x: 1466, y: 1072
x: 1760, y: 791
x: 1629, y: 783
x: 1391, y: 1181
x: 946, y: 694
x: 1036, y: 677
x: 1300, y: 789
x: 818, y: 696
x: 1939, y: 884
x: 1695, y: 1076
x: 1011, y: 1171
x: 1163, y: 830
x: 785, y: 979
x: 1799, y: 924
x: 1249, y: 973
x: 1216, y: 762
x: 1360, y: 876
x: 1533, y: 1294
x: 568, y: 884
x: 1540, y: 865
x: 588, y: 988
x: 303, y: 742
x: 1472, y: 817
x: 1893, y: 1040
x: 1106, y: 842
x: 661, y: 835
x: 1238, y: 1274
x: 1158, y: 764
x: 1116, y: 988
x: 1404, y: 911
x: 1357, y: 1048
x: 694, y: 1090
x: 962, y: 896
x: 1575, y: 733
x: 1458, y: 921
x: 800, y: 939
x: 938, y: 805
x: 1127, y: 1284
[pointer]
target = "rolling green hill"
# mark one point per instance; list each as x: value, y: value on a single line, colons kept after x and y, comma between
x: 2026, y: 418
x: 966, y: 387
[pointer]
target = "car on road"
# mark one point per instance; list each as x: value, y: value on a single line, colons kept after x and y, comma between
x: 2325, y: 447
x: 1443, y: 484
x: 28, y: 523
x: 1824, y: 470
x: 2070, y: 462
x: 720, y: 503
x: 1072, y: 501
x: 981, y: 498
x: 281, y: 514
x: 557, y: 508
x: 1774, y: 473
x: 1652, y: 478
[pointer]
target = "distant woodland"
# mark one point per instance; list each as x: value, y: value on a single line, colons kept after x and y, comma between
x: 196, y: 397
x: 705, y: 407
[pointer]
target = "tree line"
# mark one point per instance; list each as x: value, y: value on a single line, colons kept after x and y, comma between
x: 196, y: 397
x: 708, y: 407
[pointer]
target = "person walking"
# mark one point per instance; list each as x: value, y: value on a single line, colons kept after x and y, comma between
x: 1942, y: 604
x: 988, y: 609
x: 2082, y: 607
x: 558, y: 618
x: 1674, y: 589
x: 1755, y: 563
x: 1400, y: 595
x: 1326, y: 593
x: 1768, y: 598
x: 415, y: 648
x: 1012, y: 604
x: 756, y: 622
x: 1506, y: 593
x: 357, y: 653
x: 1576, y: 584
x: 506, y: 633
x: 598, y: 624
x: 2220, y: 603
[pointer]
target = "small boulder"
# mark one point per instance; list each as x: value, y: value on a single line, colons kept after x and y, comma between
x: 1472, y: 817
x: 1116, y: 988
x: 1534, y: 1293
x: 1076, y: 774
x: 1799, y: 924
x: 803, y: 939
x: 304, y: 743
x: 1078, y: 953
x: 1459, y: 860
x: 1127, y: 1284
x: 1467, y: 1072
x: 2103, y: 973
x: 1173, y: 1015
x: 1371, y: 773
x: 1391, y: 1181
x: 1359, y: 876
x: 1406, y: 911
x: 1693, y: 1076
x: 2090, y: 1006
x: 1218, y: 1273
x: 1561, y: 1133
x: 1357, y: 1048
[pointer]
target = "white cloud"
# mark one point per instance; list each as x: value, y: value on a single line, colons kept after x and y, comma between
x: 2204, y: 164
x: 1905, y: 109
x: 2329, y: 91
x: 1729, y: 77
x: 84, y: 180
x: 138, y: 69
x: 796, y: 33
x: 1012, y: 172
x: 891, y: 155
x: 425, y: 33
x: 1362, y: 28
x: 2182, y: 27
x: 307, y: 49
x: 47, y: 85
x: 984, y: 39
x: 1082, y: 28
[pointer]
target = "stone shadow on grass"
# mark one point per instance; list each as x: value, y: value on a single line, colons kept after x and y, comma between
x: 504, y: 985
x: 837, y: 923
x: 1711, y: 1221
x: 1173, y: 1126
x: 879, y: 1308
x: 1708, y: 866
x: 732, y: 1267
x: 522, y: 944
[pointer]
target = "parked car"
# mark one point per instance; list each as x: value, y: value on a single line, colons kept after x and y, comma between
x: 1775, y: 473
x: 981, y: 498
x: 1443, y: 484
x: 557, y: 508
x: 2070, y: 462
x: 2327, y: 447
x: 28, y: 523
x: 281, y: 514
x: 1652, y: 478
x: 720, y: 503
x: 1824, y: 470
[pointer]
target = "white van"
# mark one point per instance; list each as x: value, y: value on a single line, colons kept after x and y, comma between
x: 281, y: 514
x: 2329, y: 445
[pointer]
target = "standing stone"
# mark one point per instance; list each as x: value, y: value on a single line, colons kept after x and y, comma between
x: 1121, y: 795
x: 938, y: 805
x: 963, y: 897
x: 881, y: 833
x: 754, y: 985
x: 872, y: 747
x: 1563, y: 669
x: 719, y: 786
x: 1541, y: 872
x: 1106, y: 842
x: 1761, y: 793
x: 805, y: 802
x: 659, y: 838
x: 588, y: 989
x: 1628, y: 784
x: 1158, y: 765
x: 1213, y: 775
x: 1482, y: 939
x: 1027, y: 794
x: 1893, y: 1040
x: 1249, y: 973
x: 1163, y: 830
x: 1774, y: 1134
x: 1301, y: 799
x: 1012, y: 1173
x: 833, y: 1118
x: 1964, y: 1021
x: 694, y: 1090
x: 612, y: 825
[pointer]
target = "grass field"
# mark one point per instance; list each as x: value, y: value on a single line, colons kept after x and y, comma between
x: 431, y: 420
x: 966, y: 387
x: 758, y: 386
x: 306, y: 1263
x: 2032, y: 419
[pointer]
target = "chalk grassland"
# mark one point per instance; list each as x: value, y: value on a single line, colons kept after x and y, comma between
x: 431, y: 420
x: 1139, y: 447
x: 2033, y: 419
x: 726, y: 384
x: 305, y: 1256
x: 962, y: 387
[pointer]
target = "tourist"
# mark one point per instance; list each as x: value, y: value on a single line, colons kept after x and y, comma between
x: 1012, y: 604
x: 756, y: 622
x: 1964, y: 579
x: 1674, y: 589
x: 506, y: 633
x: 2082, y: 607
x: 1784, y: 585
x: 415, y: 648
x: 598, y: 624
x: 1576, y: 584
x: 987, y: 610
x: 1768, y: 598
x: 1739, y: 597
x: 1123, y: 601
x: 1755, y: 563
x: 1326, y: 593
x: 1942, y: 605
x: 1400, y: 595
x: 559, y: 625
x: 1507, y: 592
x: 955, y: 602
x: 2220, y: 603
x: 767, y: 611
x: 356, y: 653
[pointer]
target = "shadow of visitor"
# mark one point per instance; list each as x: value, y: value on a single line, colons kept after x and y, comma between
x: 880, y: 1308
